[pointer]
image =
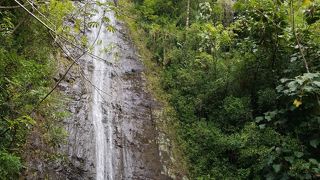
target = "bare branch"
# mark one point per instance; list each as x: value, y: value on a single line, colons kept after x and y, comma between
x: 9, y: 7
x: 297, y: 39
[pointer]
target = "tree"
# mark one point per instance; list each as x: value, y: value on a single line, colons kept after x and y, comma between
x: 242, y: 77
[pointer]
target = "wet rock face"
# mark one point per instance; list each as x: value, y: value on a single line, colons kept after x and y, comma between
x: 80, y: 135
x: 131, y: 150
x: 135, y: 131
x: 126, y: 146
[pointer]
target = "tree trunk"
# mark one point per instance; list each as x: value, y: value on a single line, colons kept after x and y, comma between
x: 188, y: 13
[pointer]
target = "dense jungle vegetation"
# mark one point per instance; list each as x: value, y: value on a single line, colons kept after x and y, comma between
x: 243, y: 77
x: 27, y: 61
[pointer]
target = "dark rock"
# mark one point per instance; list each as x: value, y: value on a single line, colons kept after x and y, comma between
x: 63, y: 86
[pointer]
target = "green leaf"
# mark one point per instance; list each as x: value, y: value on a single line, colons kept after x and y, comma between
x: 289, y: 159
x: 262, y: 126
x: 111, y: 28
x: 293, y: 59
x: 317, y: 83
x: 279, y: 88
x: 283, y: 80
x: 314, y: 143
x: 268, y: 118
x: 105, y: 19
x: 298, y: 154
x: 271, y: 159
x: 292, y: 86
x: 313, y: 161
x: 93, y: 24
x: 276, y: 167
x: 259, y: 119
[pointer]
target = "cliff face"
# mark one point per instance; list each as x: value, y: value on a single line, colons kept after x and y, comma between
x: 129, y: 127
x: 111, y: 129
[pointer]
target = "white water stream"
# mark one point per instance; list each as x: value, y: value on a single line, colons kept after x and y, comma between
x: 101, y: 114
x: 124, y: 144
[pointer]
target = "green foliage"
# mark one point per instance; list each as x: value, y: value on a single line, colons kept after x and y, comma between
x: 238, y: 82
x: 303, y: 85
x: 10, y: 165
x: 26, y: 71
x: 58, y: 11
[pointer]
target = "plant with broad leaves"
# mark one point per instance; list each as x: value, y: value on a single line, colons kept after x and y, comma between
x: 306, y: 85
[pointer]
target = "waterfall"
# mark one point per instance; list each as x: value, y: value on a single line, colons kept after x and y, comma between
x: 101, y: 110
x: 125, y: 137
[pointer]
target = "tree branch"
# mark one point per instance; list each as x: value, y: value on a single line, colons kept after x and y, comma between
x: 56, y: 85
x: 9, y: 7
x: 19, y: 24
x: 297, y: 39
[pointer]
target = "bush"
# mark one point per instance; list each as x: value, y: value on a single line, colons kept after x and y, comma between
x: 10, y: 166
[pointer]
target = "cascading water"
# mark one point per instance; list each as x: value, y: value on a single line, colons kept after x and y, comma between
x: 111, y: 128
x: 121, y: 141
x: 101, y: 100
